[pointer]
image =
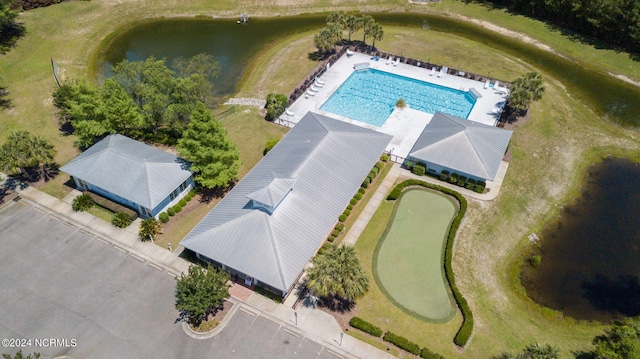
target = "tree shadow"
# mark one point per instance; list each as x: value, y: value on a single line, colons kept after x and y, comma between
x: 4, y: 101
x: 621, y: 295
x: 336, y: 304
x: 209, y: 194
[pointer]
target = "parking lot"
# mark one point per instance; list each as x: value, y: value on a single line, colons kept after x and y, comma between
x: 97, y: 300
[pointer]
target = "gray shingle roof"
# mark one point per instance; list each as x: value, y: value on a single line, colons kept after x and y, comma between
x: 328, y: 159
x: 130, y: 169
x: 462, y: 145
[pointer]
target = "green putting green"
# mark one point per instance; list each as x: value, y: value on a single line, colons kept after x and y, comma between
x: 408, y: 261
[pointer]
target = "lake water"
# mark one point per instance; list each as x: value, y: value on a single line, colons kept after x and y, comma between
x: 235, y: 45
x: 591, y: 254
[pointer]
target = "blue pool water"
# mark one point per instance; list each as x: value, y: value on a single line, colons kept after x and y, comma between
x: 370, y: 96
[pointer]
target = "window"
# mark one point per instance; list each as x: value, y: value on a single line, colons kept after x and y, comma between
x: 146, y: 212
x: 174, y: 194
x: 183, y: 186
x: 82, y: 183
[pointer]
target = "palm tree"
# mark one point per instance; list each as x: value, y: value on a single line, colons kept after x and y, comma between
x: 149, y: 229
x: 537, y: 351
x: 322, y: 41
x: 338, y: 273
x: 376, y: 32
x: 366, y: 22
x: 23, y: 151
x: 520, y: 99
x: 336, y: 18
x: 533, y: 83
x: 352, y: 24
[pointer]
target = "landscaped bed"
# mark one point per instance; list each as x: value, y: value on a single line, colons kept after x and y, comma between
x: 407, y: 263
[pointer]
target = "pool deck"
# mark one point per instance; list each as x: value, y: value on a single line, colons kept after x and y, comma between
x: 405, y: 125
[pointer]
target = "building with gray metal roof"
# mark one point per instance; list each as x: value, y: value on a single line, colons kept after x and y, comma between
x: 268, y: 227
x: 465, y: 147
x: 132, y: 173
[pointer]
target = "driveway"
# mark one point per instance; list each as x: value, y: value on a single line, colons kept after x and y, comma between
x: 73, y: 293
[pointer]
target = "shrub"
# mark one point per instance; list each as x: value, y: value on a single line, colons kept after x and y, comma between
x: 365, y: 184
x: 419, y: 170
x: 379, y: 165
x: 82, y: 203
x: 372, y: 175
x: 121, y: 220
x: 164, y: 217
x: 325, y: 247
x: 535, y: 260
x: 342, y: 218
x: 444, y: 175
x: 331, y: 238
x: 335, y: 233
x: 349, y: 206
x: 192, y: 193
x: 269, y: 145
x: 365, y: 326
x: 276, y: 105
x: 480, y: 187
x: 471, y: 184
x: 358, y: 196
x: 402, y: 343
x: 428, y: 354
x: 346, y: 212
x: 353, y: 201
x: 171, y: 211
x: 375, y: 170
x: 183, y: 202
x: 408, y: 164
x: 453, y: 178
x: 361, y: 190
x: 462, y: 180
x: 401, y: 103
x: 177, y: 208
x: 384, y: 157
x: 340, y: 226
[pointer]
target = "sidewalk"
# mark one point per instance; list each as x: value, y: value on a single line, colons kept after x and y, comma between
x: 312, y: 323
x: 372, y: 205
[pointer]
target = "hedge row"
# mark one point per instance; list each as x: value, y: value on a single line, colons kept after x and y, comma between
x: 171, y: 211
x: 464, y: 333
x: 402, y: 343
x: 365, y: 326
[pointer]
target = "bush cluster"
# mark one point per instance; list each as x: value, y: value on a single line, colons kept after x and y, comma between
x: 171, y: 211
x: 164, y: 217
x: 82, y: 203
x: 394, y: 339
x: 177, y: 208
x: 353, y: 201
x: 402, y: 343
x: 183, y: 202
x: 420, y: 169
x: 428, y: 354
x: 365, y: 326
x: 325, y: 247
x: 361, y: 190
x: 121, y: 220
x: 466, y: 329
x: 384, y: 157
x: 358, y: 196
x: 342, y: 218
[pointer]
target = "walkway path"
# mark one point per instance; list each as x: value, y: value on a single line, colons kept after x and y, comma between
x: 316, y: 324
x: 246, y: 101
x: 372, y: 205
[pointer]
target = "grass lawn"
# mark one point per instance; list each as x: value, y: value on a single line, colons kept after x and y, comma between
x: 101, y: 212
x: 408, y: 261
x: 550, y: 151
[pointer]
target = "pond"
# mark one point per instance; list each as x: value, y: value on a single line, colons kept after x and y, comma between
x: 235, y: 45
x: 591, y: 254
x: 408, y: 261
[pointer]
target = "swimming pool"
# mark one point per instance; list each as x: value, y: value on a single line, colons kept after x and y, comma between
x: 370, y: 96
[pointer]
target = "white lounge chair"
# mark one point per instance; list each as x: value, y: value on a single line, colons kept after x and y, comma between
x: 319, y: 81
x: 496, y: 85
x: 289, y: 112
x: 486, y: 84
x: 433, y: 71
x: 317, y: 84
x: 349, y: 52
x: 309, y: 93
x: 396, y: 62
x: 389, y: 60
x: 314, y: 88
x: 418, y: 64
x: 443, y: 71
